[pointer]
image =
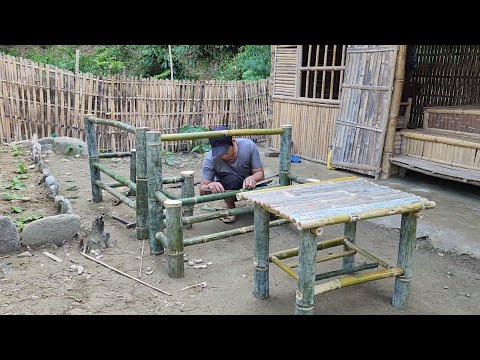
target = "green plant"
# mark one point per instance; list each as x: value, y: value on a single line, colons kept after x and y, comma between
x: 198, y: 145
x: 21, y: 169
x: 168, y: 159
x: 16, y: 184
x: 8, y: 197
x: 16, y: 209
x: 17, y: 150
x: 53, y: 135
x: 20, y: 222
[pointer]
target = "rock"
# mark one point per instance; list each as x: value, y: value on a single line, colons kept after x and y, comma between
x: 9, y: 239
x: 65, y: 145
x: 46, y: 141
x: 53, y: 229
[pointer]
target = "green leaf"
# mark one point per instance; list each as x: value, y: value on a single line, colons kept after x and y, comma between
x: 53, y: 135
x: 169, y: 160
x: 16, y: 209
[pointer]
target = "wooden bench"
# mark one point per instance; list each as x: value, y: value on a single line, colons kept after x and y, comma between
x: 447, y: 147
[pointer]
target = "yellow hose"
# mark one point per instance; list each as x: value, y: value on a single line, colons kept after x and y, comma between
x: 329, y: 158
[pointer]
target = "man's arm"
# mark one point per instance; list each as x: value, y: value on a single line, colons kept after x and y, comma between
x: 210, y: 187
x: 251, y: 181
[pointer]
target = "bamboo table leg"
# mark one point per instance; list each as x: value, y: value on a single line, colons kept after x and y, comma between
x: 408, y: 232
x: 349, y: 232
x: 260, y: 259
x: 306, y: 273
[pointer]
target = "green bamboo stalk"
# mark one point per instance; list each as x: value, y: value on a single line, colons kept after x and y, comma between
x: 117, y: 194
x: 154, y: 180
x: 325, y: 244
x: 349, y: 270
x: 133, y: 170
x: 297, y: 179
x: 349, y: 231
x: 161, y: 197
x: 114, y: 154
x: 330, y: 257
x: 284, y: 157
x: 408, y: 230
x: 284, y: 267
x: 142, y: 184
x: 91, y: 137
x: 188, y: 190
x: 220, y: 133
x: 350, y: 245
x: 122, y: 180
x: 160, y: 236
x: 229, y: 233
x: 260, y: 253
x: 115, y: 123
x: 306, y: 273
x: 172, y: 180
x: 115, y: 185
x: 175, y: 239
x: 217, y: 214
x: 357, y: 279
x: 170, y: 195
x: 340, y: 219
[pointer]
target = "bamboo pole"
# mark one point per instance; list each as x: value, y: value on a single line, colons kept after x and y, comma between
x: 306, y: 273
x: 92, y: 159
x: 142, y: 184
x: 330, y: 257
x: 351, y: 245
x: 330, y: 274
x: 229, y: 233
x: 284, y: 267
x: 284, y: 157
x: 393, y: 112
x: 124, y: 274
x: 133, y: 170
x: 357, y: 279
x: 114, y: 123
x: 122, y: 180
x: 325, y: 244
x: 260, y: 252
x: 188, y: 190
x: 130, y: 203
x: 175, y: 246
x: 441, y: 139
x: 154, y: 181
x: 217, y: 214
x: 406, y: 247
x: 349, y: 232
x: 339, y: 219
x: 114, y: 154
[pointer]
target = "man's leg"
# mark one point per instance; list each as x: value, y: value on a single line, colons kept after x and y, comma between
x: 231, y: 182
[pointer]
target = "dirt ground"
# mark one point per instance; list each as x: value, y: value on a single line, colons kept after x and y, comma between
x: 442, y: 283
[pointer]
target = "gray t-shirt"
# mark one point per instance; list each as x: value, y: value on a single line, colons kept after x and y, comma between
x: 248, y: 158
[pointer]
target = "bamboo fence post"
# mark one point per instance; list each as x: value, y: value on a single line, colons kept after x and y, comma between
x: 285, y: 155
x: 393, y: 112
x: 306, y: 273
x: 175, y: 249
x: 261, y: 234
x: 188, y: 190
x: 142, y: 184
x: 93, y: 158
x: 408, y: 232
x: 133, y: 169
x: 350, y: 231
x: 154, y: 182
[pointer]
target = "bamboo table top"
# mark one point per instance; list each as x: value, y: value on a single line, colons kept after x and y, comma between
x: 335, y: 201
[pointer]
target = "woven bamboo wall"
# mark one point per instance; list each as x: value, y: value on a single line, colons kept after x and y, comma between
x: 449, y: 75
x: 43, y: 99
x: 313, y: 127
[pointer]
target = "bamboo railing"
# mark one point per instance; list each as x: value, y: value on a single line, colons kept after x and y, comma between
x: 44, y: 99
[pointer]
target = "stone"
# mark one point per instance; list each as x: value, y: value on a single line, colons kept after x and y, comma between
x: 55, y: 229
x: 9, y: 239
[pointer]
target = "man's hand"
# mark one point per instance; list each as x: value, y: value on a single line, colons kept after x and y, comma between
x: 249, y: 183
x: 214, y: 187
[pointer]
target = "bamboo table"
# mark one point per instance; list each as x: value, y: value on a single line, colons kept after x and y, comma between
x: 314, y: 205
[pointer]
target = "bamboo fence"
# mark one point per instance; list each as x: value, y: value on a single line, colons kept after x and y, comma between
x: 448, y: 75
x: 43, y: 99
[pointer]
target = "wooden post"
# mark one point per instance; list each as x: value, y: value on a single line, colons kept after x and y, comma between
x: 261, y: 232
x: 133, y: 169
x: 77, y: 61
x: 285, y: 155
x: 93, y: 158
x: 349, y: 232
x: 188, y: 190
x: 154, y: 182
x: 306, y: 273
x: 389, y: 144
x: 175, y: 238
x: 142, y: 183
x: 408, y: 231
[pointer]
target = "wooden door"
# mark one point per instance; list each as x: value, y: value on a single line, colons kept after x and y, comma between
x: 364, y: 106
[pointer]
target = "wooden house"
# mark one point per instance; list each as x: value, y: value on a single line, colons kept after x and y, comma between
x: 356, y: 101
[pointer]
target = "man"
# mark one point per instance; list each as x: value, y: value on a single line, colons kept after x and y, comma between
x: 232, y: 164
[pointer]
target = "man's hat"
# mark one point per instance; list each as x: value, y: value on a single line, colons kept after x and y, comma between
x: 220, y: 144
